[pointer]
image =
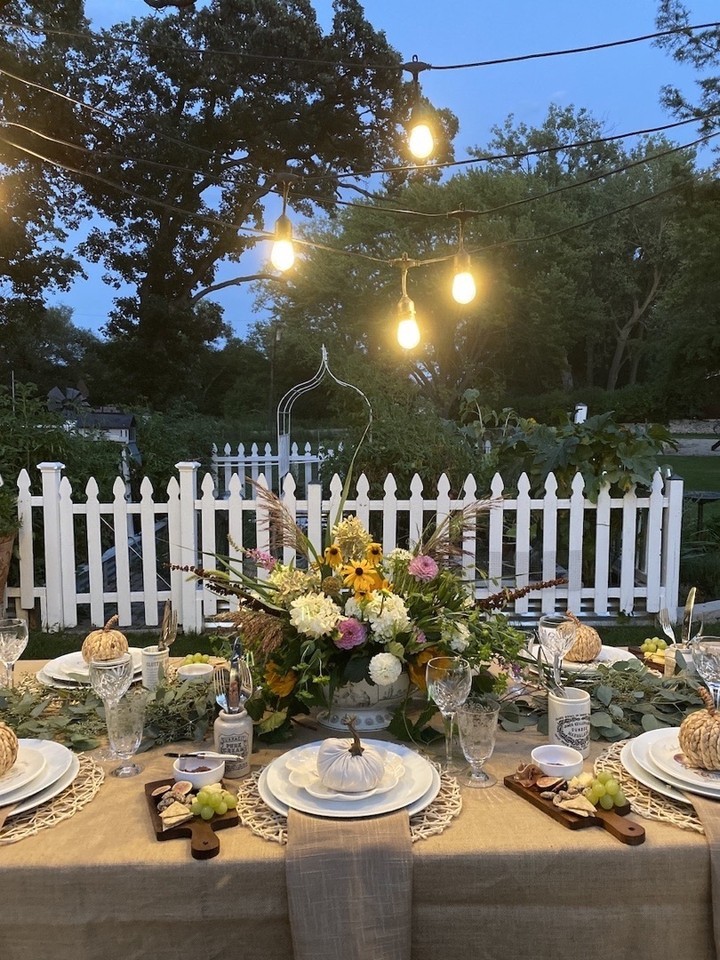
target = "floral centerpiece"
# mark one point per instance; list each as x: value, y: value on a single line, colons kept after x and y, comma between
x: 356, y: 614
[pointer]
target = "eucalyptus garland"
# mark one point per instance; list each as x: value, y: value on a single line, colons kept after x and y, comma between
x: 176, y: 710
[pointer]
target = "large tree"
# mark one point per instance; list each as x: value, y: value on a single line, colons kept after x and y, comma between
x: 569, y: 260
x: 199, y: 116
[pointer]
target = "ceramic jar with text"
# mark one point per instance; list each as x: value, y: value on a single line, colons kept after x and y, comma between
x: 569, y: 718
x: 233, y: 733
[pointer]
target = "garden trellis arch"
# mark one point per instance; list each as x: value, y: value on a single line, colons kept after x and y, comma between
x: 284, y: 409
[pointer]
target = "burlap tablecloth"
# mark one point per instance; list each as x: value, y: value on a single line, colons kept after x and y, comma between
x: 501, y: 882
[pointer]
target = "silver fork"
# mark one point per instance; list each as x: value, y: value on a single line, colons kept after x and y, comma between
x: 220, y: 685
x: 665, y: 625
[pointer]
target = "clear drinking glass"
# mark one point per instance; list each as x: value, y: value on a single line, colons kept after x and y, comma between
x: 111, y: 679
x: 13, y: 640
x: 125, y: 722
x: 448, y: 684
x: 556, y: 634
x: 706, y: 657
x: 477, y: 722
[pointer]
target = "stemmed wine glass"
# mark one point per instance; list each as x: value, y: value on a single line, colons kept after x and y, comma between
x: 111, y: 679
x: 448, y: 684
x: 556, y: 634
x: 706, y: 657
x: 125, y: 723
x: 13, y: 640
x: 477, y: 721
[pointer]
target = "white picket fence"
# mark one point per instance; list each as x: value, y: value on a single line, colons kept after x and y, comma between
x: 252, y: 462
x: 89, y: 559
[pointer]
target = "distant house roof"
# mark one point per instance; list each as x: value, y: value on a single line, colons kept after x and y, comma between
x: 92, y: 420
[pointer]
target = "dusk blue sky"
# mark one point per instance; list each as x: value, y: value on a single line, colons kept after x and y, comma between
x: 619, y: 86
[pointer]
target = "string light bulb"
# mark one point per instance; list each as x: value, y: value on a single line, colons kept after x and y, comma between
x: 463, y: 286
x: 421, y: 141
x: 408, y: 332
x: 282, y: 255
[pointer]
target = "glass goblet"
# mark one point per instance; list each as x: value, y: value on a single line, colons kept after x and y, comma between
x: 556, y: 634
x: 448, y: 684
x: 477, y: 721
x: 706, y: 657
x: 13, y: 640
x: 125, y: 722
x: 111, y: 679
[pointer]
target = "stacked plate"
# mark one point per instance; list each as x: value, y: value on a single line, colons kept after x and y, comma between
x: 70, y: 670
x: 42, y: 770
x: 655, y: 760
x: 607, y: 656
x: 292, y: 781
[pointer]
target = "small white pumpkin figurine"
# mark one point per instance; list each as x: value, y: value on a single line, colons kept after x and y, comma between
x: 348, y: 766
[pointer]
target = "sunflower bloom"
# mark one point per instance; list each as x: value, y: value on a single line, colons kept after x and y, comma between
x: 416, y: 666
x: 373, y: 554
x: 361, y: 577
x: 333, y: 556
x: 281, y: 684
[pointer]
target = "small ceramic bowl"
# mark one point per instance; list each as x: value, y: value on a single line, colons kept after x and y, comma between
x: 199, y: 771
x: 558, y: 761
x: 196, y: 672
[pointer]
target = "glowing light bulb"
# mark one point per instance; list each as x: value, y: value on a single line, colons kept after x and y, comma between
x: 463, y: 288
x: 463, y: 285
x: 408, y: 334
x: 421, y: 141
x: 282, y: 255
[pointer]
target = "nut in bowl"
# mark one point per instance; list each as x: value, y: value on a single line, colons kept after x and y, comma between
x: 199, y: 771
x: 557, y: 761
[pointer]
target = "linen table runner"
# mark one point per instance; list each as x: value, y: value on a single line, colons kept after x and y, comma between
x: 349, y: 886
x: 709, y: 813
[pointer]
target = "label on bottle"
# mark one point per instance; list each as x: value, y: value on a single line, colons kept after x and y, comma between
x: 234, y: 735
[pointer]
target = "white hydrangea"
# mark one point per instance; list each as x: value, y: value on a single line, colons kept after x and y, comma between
x: 384, y: 668
x: 384, y: 611
x: 314, y: 615
x: 399, y: 554
x: 457, y: 635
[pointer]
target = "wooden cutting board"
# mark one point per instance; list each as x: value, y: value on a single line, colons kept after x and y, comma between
x: 626, y: 831
x: 204, y: 844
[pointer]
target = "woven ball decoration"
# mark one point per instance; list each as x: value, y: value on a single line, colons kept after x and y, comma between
x: 8, y: 748
x: 105, y: 644
x: 587, y: 642
x: 699, y: 735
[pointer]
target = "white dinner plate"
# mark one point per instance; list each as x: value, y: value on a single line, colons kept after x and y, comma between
x: 49, y: 792
x: 71, y: 667
x: 278, y: 806
x: 57, y: 760
x: 648, y: 779
x: 607, y: 656
x: 415, y: 782
x: 666, y: 754
x: 29, y: 764
x: 303, y: 773
x: 641, y: 752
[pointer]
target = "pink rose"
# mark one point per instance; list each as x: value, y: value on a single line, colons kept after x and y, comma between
x: 423, y: 568
x: 352, y: 634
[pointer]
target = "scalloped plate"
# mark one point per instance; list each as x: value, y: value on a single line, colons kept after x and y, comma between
x: 303, y: 773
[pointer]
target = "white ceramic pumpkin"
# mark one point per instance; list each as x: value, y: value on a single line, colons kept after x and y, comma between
x: 347, y: 766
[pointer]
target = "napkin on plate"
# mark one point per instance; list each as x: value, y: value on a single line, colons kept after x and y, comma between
x: 349, y: 886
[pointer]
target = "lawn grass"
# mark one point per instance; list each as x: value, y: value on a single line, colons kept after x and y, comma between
x: 699, y: 473
x: 45, y: 646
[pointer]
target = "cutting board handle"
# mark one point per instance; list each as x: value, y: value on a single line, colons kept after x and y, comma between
x: 204, y: 842
x: 622, y: 829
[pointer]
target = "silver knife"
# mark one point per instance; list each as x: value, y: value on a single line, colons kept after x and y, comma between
x: 687, y: 617
x: 205, y: 755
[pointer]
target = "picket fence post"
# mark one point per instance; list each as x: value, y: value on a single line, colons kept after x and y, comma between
x: 51, y: 473
x: 189, y: 615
